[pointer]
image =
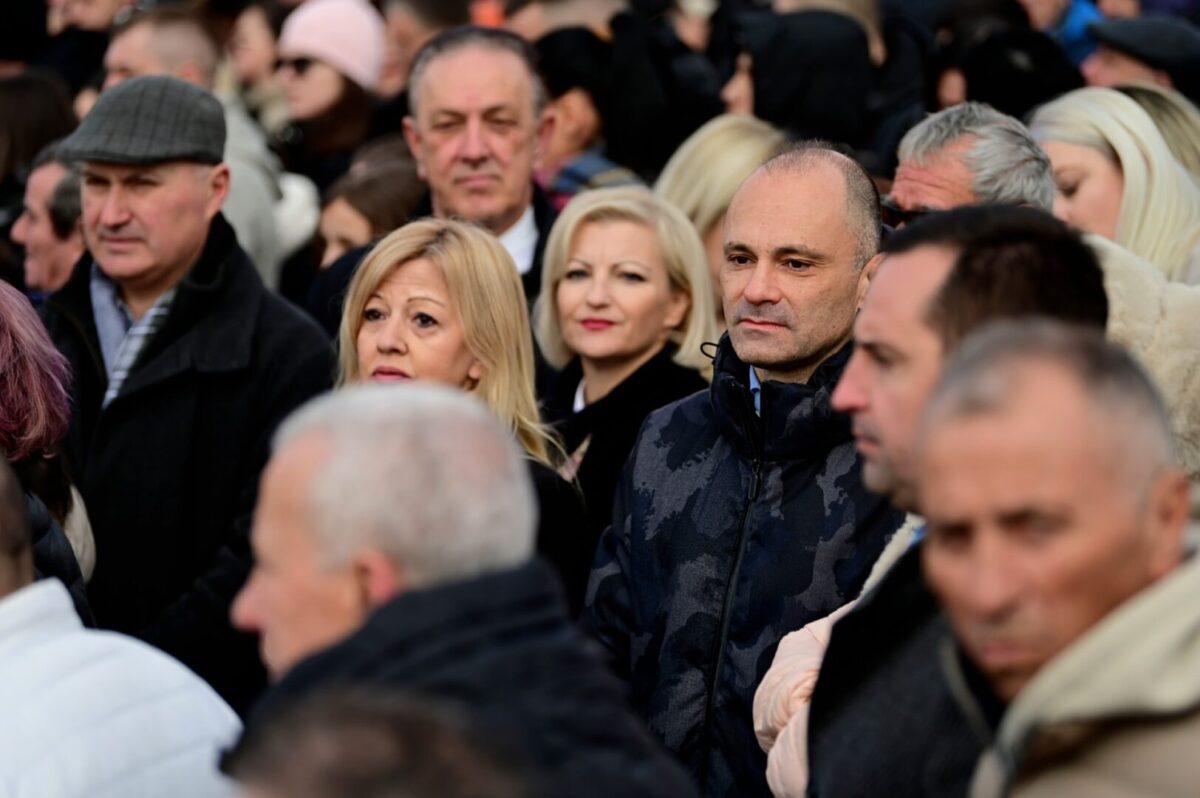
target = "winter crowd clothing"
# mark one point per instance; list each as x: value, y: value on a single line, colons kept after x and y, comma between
x: 1158, y: 321
x: 53, y: 557
x: 562, y: 533
x: 98, y: 714
x: 730, y: 529
x: 169, y: 468
x: 1116, y: 714
x: 782, y: 699
x: 883, y: 720
x: 501, y: 645
x: 599, y: 437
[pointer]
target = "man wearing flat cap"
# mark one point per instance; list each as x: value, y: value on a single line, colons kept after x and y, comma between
x: 1161, y: 50
x: 183, y: 364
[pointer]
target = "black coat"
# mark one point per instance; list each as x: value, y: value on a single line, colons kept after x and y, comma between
x: 53, y: 557
x: 169, y: 470
x: 883, y: 720
x: 561, y: 532
x: 730, y: 529
x: 501, y: 645
x: 612, y: 425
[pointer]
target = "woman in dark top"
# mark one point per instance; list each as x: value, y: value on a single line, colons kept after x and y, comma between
x: 626, y: 304
x: 441, y: 301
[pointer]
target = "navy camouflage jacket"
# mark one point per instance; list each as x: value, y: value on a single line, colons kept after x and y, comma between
x: 730, y: 530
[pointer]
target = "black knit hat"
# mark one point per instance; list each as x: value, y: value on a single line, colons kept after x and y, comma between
x: 151, y: 119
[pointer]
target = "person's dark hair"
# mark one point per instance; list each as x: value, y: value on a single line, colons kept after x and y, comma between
x: 862, y: 198
x: 1013, y: 262
x: 342, y: 127
x: 66, y: 204
x: 436, y: 13
x: 15, y: 540
x: 38, y: 111
x: 371, y: 744
x: 465, y: 36
x: 385, y: 194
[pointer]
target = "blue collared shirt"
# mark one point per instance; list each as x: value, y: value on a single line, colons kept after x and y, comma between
x: 756, y: 391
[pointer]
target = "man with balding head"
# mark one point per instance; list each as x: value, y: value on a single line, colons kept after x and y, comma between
x: 1056, y: 514
x: 742, y: 514
x: 394, y: 541
x: 63, y: 685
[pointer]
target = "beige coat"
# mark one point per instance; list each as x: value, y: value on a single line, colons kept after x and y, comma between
x: 1116, y: 714
x: 1159, y: 322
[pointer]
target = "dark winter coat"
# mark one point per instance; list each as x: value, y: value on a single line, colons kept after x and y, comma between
x: 53, y: 557
x: 612, y: 426
x: 883, y: 720
x: 169, y: 470
x: 561, y: 531
x: 502, y: 647
x: 729, y: 531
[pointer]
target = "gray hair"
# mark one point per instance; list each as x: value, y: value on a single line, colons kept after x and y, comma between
x: 1007, y: 164
x: 979, y: 380
x: 425, y: 474
x: 465, y: 36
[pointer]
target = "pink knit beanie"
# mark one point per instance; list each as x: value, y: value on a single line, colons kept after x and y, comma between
x: 346, y: 34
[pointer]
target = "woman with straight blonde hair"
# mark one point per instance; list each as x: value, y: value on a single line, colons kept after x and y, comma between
x: 441, y: 301
x: 1117, y: 178
x: 624, y: 310
x: 707, y: 170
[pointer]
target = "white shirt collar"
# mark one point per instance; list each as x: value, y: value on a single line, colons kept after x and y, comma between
x: 521, y: 241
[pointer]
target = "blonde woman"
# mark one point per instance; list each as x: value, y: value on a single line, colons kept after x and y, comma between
x: 1117, y: 178
x: 705, y: 172
x: 441, y: 301
x: 624, y: 310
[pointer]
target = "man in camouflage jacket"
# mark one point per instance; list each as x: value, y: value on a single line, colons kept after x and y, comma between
x: 741, y: 515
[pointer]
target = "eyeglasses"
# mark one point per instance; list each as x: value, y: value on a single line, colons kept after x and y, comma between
x: 895, y: 216
x: 298, y: 65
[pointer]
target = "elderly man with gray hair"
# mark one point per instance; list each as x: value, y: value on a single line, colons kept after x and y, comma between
x: 394, y: 541
x: 1055, y: 544
x: 972, y: 154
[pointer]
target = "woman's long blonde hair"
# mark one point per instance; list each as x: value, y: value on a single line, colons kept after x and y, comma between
x: 1159, y: 218
x: 487, y: 293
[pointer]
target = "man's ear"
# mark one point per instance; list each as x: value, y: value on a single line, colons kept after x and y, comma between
x: 867, y: 275
x: 379, y: 578
x: 218, y: 185
x: 541, y: 144
x: 1169, y: 511
x: 414, y: 146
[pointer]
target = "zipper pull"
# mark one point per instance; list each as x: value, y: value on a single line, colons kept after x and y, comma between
x: 755, y: 480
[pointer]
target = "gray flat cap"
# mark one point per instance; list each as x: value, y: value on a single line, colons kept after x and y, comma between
x: 150, y: 119
x: 1166, y: 43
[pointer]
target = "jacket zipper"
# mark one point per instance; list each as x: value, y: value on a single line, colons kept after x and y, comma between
x: 711, y: 699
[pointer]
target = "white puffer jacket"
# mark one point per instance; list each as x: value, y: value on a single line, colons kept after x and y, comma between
x: 98, y: 714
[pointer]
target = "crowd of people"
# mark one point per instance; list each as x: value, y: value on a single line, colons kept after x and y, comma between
x: 599, y: 397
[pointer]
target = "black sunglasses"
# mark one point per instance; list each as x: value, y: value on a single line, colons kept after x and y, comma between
x: 298, y: 65
x: 894, y: 216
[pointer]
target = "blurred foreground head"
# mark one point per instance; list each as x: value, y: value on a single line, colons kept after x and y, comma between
x: 1048, y: 480
x: 365, y: 744
x: 373, y: 492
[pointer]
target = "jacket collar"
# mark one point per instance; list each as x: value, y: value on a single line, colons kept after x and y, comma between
x: 1139, y: 662
x: 415, y: 635
x: 212, y: 320
x: 797, y: 421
